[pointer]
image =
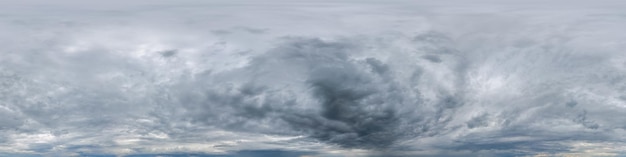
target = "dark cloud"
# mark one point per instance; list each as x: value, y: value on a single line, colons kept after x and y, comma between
x: 432, y: 58
x: 347, y: 116
x: 241, y: 153
x: 350, y: 107
x: 310, y: 79
x: 169, y: 53
x: 478, y: 121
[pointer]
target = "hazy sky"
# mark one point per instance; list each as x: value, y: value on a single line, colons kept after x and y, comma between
x: 351, y: 78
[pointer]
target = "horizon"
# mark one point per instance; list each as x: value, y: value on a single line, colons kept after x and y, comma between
x: 304, y: 78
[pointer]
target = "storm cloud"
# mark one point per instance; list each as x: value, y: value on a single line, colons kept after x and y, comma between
x: 324, y: 78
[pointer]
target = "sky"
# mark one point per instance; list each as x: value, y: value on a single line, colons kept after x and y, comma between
x: 300, y: 78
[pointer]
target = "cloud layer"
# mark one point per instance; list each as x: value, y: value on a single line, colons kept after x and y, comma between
x: 346, y: 78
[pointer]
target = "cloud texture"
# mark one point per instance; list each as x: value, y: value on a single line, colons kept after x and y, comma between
x: 242, y: 78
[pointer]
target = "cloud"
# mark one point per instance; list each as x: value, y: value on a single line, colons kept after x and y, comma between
x: 312, y: 79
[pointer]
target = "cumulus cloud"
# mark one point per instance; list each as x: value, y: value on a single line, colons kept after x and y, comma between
x: 325, y: 78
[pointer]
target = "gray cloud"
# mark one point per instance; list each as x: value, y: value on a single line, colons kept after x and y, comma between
x: 317, y: 79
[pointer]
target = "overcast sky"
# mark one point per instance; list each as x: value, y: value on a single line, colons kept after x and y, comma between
x: 351, y: 78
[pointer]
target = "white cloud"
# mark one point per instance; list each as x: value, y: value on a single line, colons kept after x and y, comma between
x: 364, y: 78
